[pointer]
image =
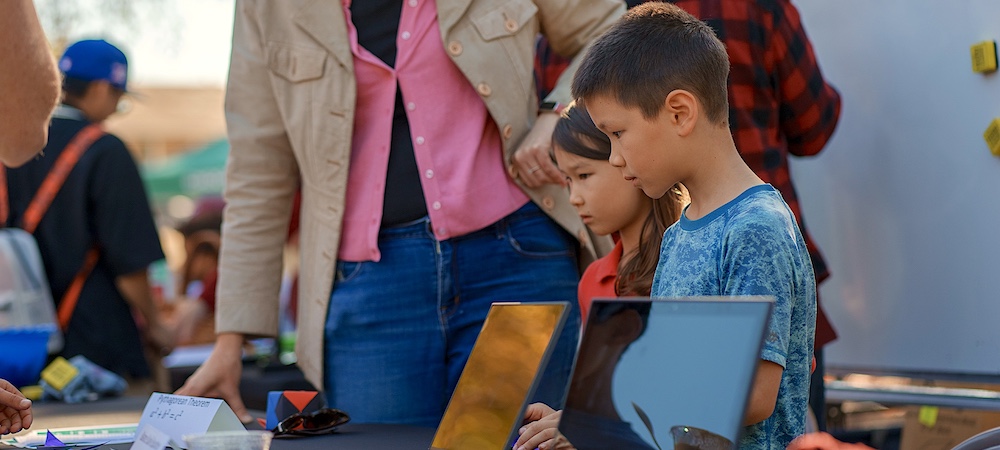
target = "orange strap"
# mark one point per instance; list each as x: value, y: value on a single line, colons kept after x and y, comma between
x: 57, y: 175
x: 40, y: 204
x: 68, y: 303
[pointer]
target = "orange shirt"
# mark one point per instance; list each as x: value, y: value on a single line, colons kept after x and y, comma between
x: 599, y: 279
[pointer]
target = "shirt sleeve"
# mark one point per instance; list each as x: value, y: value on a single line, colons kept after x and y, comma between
x: 809, y: 106
x: 769, y: 247
x: 119, y: 210
x: 262, y: 175
x: 570, y: 27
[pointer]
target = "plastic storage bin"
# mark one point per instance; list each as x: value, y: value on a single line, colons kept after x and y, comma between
x: 24, y: 353
x: 25, y: 300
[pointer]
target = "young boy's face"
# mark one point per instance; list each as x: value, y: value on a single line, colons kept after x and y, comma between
x: 645, y: 150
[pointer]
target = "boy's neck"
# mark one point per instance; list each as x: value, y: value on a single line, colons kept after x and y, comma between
x: 721, y: 176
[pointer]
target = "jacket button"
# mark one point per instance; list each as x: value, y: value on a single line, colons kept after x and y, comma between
x: 507, y: 131
x: 510, y: 25
x: 484, y: 89
x: 548, y: 203
x: 455, y: 48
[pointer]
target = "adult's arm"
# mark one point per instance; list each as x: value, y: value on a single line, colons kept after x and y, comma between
x: 261, y: 180
x: 28, y: 80
x: 810, y: 107
x: 138, y: 293
x: 570, y: 26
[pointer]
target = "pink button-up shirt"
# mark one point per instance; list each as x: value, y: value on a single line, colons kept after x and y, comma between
x: 456, y: 143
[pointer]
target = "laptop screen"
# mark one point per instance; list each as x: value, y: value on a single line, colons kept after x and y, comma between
x: 670, y: 373
x: 500, y: 376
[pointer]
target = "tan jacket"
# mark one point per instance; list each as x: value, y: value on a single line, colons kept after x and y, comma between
x: 290, y: 114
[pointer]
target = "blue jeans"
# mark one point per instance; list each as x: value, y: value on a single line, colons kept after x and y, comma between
x: 399, y: 331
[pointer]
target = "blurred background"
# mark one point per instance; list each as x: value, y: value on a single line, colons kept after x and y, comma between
x: 173, y: 120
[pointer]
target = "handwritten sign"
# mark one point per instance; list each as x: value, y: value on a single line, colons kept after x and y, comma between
x: 179, y: 415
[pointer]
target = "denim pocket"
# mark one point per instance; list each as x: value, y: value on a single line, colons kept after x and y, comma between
x: 533, y: 234
x: 347, y: 271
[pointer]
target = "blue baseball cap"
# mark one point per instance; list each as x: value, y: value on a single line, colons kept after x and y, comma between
x: 95, y: 59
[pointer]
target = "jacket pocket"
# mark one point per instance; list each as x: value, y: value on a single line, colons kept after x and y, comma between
x: 505, y: 20
x: 295, y: 64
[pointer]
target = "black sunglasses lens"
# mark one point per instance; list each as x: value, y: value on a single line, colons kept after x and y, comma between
x: 325, y: 418
x: 289, y: 424
x: 318, y: 422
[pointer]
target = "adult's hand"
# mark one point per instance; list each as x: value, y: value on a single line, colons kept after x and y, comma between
x: 15, y: 409
x: 532, y: 162
x: 219, y: 375
x: 823, y: 441
x: 541, y: 430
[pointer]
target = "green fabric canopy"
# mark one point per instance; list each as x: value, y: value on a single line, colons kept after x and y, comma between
x: 195, y: 173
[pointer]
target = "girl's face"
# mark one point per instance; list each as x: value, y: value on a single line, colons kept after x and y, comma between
x: 603, y: 199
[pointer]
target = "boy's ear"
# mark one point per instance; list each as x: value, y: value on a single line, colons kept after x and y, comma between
x: 683, y: 109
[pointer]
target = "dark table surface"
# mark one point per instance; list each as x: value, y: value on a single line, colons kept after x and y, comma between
x: 128, y: 409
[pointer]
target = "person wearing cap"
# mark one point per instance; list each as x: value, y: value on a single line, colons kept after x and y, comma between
x: 98, y: 228
x: 28, y: 80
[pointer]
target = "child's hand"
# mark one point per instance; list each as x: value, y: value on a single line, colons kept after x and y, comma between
x: 541, y: 431
x: 823, y: 441
x: 15, y: 410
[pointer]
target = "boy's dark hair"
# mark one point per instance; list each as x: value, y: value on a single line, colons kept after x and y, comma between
x: 576, y: 133
x: 651, y: 51
x: 74, y: 89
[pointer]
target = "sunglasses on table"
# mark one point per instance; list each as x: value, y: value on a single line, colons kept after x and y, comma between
x: 321, y: 421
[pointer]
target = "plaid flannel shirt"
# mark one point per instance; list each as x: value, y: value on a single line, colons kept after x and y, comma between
x: 779, y: 103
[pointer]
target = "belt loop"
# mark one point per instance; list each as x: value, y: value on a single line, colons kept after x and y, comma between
x: 500, y: 227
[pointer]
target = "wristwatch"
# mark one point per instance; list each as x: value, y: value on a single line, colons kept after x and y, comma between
x: 555, y: 107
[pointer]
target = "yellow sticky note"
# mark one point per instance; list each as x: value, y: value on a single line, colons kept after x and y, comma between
x: 992, y: 136
x: 928, y: 416
x: 59, y: 373
x: 984, y: 56
x: 33, y: 392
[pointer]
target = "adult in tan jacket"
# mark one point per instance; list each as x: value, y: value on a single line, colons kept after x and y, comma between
x: 307, y: 109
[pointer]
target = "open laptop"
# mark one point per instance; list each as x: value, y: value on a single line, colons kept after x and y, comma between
x: 665, y: 373
x: 501, y: 375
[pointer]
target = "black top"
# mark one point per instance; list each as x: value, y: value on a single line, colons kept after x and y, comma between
x: 103, y: 202
x: 377, y: 22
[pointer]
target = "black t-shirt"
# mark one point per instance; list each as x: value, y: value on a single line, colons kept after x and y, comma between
x: 377, y: 22
x: 103, y: 203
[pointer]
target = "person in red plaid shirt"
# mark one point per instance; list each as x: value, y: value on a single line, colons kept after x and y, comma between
x: 779, y: 105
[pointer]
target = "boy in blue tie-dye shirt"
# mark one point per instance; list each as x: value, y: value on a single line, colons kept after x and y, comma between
x: 655, y: 83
